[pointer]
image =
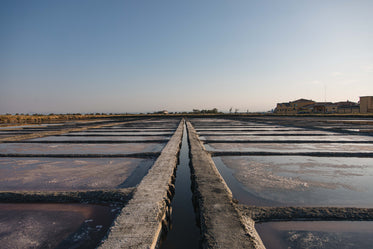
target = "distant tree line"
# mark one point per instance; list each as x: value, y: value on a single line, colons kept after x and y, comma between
x: 213, y: 111
x: 41, y: 118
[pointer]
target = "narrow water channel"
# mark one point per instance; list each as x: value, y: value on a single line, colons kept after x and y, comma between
x: 184, y: 233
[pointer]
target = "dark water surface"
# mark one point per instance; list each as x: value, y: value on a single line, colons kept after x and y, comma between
x: 184, y: 233
x: 316, y: 234
x: 60, y: 226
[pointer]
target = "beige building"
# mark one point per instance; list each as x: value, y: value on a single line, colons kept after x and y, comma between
x: 331, y: 108
x: 292, y: 107
x: 348, y: 107
x: 304, y: 106
x: 366, y: 104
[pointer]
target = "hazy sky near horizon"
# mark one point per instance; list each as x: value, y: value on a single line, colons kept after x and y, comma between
x: 143, y: 56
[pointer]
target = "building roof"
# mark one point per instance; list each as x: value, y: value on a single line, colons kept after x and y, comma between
x: 302, y: 100
x: 346, y: 103
x: 287, y: 104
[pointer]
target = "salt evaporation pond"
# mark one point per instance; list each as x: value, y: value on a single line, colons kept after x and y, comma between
x: 77, y: 148
x: 262, y: 132
x: 290, y: 147
x: 28, y: 126
x: 100, y: 138
x: 316, y: 234
x: 243, y: 129
x: 69, y: 173
x: 242, y: 126
x: 54, y: 225
x: 337, y: 138
x: 299, y: 180
x: 122, y: 133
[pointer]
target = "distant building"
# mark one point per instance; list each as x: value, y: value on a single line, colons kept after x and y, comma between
x: 292, y: 107
x: 366, y: 104
x: 331, y: 108
x: 321, y: 107
x: 304, y: 106
x: 348, y: 107
x: 307, y: 109
x: 161, y: 112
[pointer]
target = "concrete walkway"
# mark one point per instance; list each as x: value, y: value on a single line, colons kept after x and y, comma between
x: 140, y: 223
x: 221, y: 224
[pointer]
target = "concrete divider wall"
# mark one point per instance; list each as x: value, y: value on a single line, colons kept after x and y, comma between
x: 140, y: 223
x: 120, y: 196
x: 222, y: 226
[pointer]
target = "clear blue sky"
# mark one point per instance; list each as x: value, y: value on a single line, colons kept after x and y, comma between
x: 142, y: 56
